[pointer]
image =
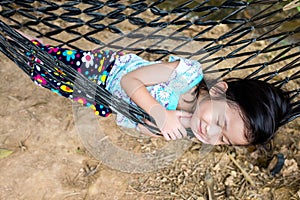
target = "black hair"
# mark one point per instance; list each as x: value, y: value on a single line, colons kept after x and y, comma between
x: 263, y: 106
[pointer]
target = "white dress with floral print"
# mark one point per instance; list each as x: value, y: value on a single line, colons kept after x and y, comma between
x: 187, y: 75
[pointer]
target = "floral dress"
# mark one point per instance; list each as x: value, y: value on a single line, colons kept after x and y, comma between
x: 95, y: 65
x: 106, y: 68
x: 187, y: 75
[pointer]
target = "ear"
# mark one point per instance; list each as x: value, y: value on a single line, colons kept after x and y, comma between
x: 219, y: 88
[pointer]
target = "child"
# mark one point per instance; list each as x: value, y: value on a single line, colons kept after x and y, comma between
x: 234, y: 111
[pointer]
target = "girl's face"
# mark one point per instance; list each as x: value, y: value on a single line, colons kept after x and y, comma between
x: 215, y: 122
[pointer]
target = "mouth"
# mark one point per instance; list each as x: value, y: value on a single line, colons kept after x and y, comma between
x: 200, y: 134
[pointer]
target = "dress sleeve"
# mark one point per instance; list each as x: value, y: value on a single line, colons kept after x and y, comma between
x: 186, y: 76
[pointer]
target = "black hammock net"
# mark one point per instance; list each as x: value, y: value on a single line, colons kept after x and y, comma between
x: 255, y: 39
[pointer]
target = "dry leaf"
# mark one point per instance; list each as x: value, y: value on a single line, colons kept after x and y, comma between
x: 4, y: 153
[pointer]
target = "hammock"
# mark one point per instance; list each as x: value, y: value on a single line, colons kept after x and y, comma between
x: 247, y: 32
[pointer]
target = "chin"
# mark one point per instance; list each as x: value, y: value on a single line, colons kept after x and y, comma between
x: 201, y: 139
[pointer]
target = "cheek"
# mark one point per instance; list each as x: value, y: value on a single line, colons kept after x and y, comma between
x: 203, y: 111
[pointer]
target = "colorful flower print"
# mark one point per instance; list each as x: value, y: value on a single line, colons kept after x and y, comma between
x: 163, y: 94
x: 70, y: 54
x: 88, y: 59
x: 58, y: 72
x: 66, y: 88
x: 80, y: 100
x: 61, y: 82
x: 53, y: 50
x: 40, y: 79
x: 56, y: 91
x: 102, y: 77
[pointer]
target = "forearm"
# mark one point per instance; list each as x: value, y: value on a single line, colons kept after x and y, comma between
x: 138, y: 92
x: 134, y: 83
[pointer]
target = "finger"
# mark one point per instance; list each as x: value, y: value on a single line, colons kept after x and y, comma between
x: 177, y: 134
x: 173, y: 136
x: 166, y: 135
x: 183, y: 131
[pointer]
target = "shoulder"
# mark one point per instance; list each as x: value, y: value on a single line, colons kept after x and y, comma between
x: 126, y: 58
x: 187, y: 75
x: 186, y: 64
x: 187, y: 67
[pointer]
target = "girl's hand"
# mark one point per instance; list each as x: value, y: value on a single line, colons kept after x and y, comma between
x: 169, y: 122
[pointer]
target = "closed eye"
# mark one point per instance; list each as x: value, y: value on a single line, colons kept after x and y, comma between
x: 223, y: 140
x: 222, y: 124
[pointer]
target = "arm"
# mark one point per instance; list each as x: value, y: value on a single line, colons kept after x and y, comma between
x: 134, y: 84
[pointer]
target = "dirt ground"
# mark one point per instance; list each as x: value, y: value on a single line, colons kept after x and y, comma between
x: 49, y: 159
x: 50, y: 162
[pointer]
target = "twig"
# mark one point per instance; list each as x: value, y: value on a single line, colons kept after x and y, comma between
x: 22, y: 146
x: 241, y: 192
x: 89, y: 171
x: 71, y: 194
x: 245, y: 174
x: 136, y: 191
x: 210, y: 185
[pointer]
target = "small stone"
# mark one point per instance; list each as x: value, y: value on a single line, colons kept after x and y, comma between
x: 260, y: 43
x: 233, y: 173
x: 290, y: 167
x: 250, y: 166
x: 229, y: 181
x: 266, y: 190
x: 217, y: 167
x: 256, y: 168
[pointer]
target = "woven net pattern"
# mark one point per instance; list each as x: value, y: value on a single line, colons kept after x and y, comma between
x: 250, y: 39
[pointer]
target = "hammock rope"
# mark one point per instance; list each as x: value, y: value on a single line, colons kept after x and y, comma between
x: 247, y: 22
x: 98, y: 94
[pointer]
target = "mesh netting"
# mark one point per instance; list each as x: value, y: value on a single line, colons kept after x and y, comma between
x: 253, y: 39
